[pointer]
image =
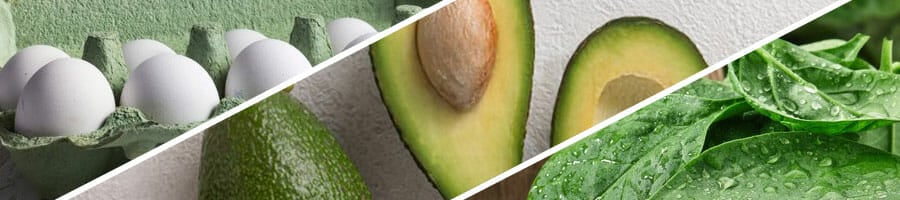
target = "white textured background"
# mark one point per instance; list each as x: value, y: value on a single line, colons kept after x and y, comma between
x: 345, y: 97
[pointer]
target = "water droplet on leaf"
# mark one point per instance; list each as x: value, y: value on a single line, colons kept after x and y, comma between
x: 773, y: 159
x: 834, y: 111
x: 790, y: 185
x: 825, y: 162
x: 726, y: 182
x: 810, y: 89
x: 784, y: 141
x: 796, y: 174
x: 789, y: 105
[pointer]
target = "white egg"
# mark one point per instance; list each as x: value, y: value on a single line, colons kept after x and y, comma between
x: 238, y: 39
x: 20, y: 68
x: 138, y: 51
x: 342, y: 32
x: 358, y: 40
x: 67, y: 96
x: 263, y: 65
x: 171, y: 89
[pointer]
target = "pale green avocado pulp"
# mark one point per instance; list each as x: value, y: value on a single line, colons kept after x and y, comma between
x: 618, y: 65
x: 460, y: 149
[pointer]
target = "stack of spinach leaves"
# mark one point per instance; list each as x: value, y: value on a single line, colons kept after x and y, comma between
x: 790, y: 122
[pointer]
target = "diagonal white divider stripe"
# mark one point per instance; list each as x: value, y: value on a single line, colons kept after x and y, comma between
x: 648, y: 101
x: 253, y: 101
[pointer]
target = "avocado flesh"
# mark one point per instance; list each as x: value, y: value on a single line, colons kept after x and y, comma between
x: 461, y: 149
x: 276, y: 150
x: 619, y: 65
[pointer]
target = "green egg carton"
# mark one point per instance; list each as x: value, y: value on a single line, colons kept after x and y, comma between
x: 64, y: 24
x: 56, y: 165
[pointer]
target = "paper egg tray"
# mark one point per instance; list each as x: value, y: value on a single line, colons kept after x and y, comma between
x: 56, y: 165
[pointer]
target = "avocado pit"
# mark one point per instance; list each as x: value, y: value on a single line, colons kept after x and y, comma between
x: 623, y: 92
x: 457, y: 47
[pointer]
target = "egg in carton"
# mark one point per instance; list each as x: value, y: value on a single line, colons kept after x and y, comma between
x: 57, y: 164
x: 55, y: 161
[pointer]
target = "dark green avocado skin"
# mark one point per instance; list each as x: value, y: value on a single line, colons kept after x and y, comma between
x: 276, y: 150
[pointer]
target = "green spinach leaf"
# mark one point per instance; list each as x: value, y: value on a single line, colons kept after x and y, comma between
x: 880, y: 138
x: 764, y: 134
x: 634, y: 157
x: 877, y: 18
x: 787, y: 165
x: 809, y: 93
x: 841, y: 52
x: 895, y: 139
x: 728, y: 128
x: 709, y: 89
x: 748, y: 124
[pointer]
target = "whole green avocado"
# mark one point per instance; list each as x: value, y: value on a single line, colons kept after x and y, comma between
x: 276, y: 150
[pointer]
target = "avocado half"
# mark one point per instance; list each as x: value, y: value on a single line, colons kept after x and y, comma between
x: 461, y: 149
x: 618, y: 65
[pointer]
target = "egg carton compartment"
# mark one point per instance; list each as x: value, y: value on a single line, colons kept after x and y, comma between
x: 65, y: 24
x: 56, y: 165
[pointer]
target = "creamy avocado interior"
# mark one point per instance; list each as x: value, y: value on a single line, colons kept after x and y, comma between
x: 459, y: 149
x: 617, y: 66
